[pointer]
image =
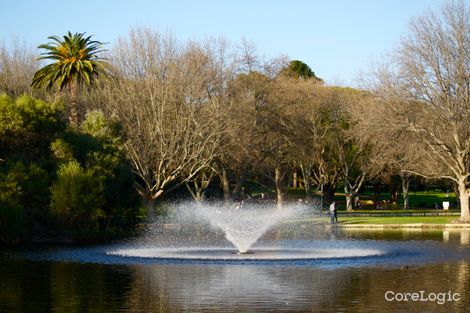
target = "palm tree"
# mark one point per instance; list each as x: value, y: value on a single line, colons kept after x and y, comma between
x: 75, y: 62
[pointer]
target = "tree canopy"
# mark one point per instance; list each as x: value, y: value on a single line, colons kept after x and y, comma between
x: 75, y: 61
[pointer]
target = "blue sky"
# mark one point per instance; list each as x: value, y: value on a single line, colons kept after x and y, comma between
x: 337, y: 38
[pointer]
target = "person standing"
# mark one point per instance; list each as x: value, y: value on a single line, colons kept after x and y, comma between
x: 333, y: 213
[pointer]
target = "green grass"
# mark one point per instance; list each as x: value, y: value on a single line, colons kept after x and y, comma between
x: 418, y: 199
x: 422, y: 199
x: 398, y: 220
x: 383, y: 220
x: 399, y: 211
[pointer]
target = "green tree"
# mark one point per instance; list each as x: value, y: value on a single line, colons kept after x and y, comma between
x: 75, y: 61
x: 27, y: 126
x: 300, y: 69
x: 77, y: 197
x: 92, y: 154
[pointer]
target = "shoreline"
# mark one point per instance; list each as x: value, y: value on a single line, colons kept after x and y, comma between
x: 405, y: 226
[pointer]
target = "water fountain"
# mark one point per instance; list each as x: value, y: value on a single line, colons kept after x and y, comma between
x: 244, y: 226
x: 195, y: 231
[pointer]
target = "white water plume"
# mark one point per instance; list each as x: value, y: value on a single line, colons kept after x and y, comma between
x: 244, y: 225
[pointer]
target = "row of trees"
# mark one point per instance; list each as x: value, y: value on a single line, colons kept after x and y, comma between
x: 200, y: 114
x: 193, y: 113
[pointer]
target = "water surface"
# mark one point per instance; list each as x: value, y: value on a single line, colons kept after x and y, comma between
x: 82, y: 279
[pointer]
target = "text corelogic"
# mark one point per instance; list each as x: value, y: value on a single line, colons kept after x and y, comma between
x: 423, y: 296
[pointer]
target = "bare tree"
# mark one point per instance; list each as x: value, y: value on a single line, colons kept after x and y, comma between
x: 308, y: 131
x: 425, y: 93
x: 276, y: 132
x: 386, y: 157
x: 17, y: 66
x: 162, y: 94
x: 198, y: 183
x: 331, y: 152
x: 353, y: 152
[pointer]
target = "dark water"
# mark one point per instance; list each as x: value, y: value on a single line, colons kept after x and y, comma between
x: 85, y: 279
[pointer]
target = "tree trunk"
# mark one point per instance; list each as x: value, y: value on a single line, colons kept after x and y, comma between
x: 278, y: 182
x: 457, y: 193
x: 306, y: 171
x: 198, y: 185
x: 225, y: 185
x: 150, y: 204
x: 294, y: 180
x: 464, y: 194
x: 196, y: 191
x: 405, y: 185
x: 74, y: 118
x: 307, y: 188
x: 349, y: 201
x: 200, y: 195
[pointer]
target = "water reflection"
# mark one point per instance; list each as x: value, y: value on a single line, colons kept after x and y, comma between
x: 67, y: 287
x: 445, y: 235
x: 239, y: 288
x: 41, y: 286
x: 252, y: 289
x: 465, y: 236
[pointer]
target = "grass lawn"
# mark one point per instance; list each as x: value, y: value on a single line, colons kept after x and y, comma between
x: 418, y: 199
x: 398, y: 220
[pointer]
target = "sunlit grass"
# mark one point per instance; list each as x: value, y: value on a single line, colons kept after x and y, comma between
x: 398, y: 220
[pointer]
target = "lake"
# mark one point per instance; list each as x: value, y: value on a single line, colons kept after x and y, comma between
x: 90, y: 279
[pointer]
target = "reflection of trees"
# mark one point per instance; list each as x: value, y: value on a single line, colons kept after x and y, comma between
x: 239, y: 288
x: 462, y: 279
x: 243, y: 288
x: 148, y: 292
x: 73, y: 287
x: 464, y: 236
x: 87, y: 288
x: 22, y: 286
x: 62, y: 287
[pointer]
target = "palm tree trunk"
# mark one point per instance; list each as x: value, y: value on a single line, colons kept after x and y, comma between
x: 74, y: 118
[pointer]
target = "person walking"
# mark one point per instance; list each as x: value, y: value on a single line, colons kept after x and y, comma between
x: 333, y: 214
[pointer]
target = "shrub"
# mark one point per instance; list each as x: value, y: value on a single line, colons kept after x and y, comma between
x: 77, y: 197
x: 27, y: 126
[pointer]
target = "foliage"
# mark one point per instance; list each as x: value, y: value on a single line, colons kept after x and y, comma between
x: 58, y: 181
x: 77, y: 196
x: 300, y: 69
x: 12, y: 215
x: 96, y: 176
x: 75, y: 62
x: 75, y: 59
x: 27, y: 126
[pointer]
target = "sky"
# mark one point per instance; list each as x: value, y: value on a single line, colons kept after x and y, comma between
x: 336, y: 38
